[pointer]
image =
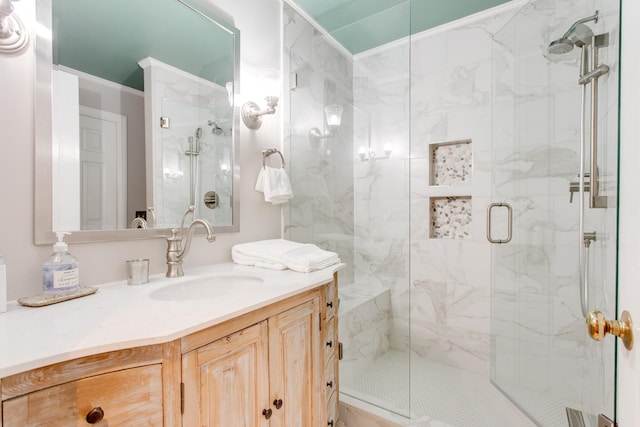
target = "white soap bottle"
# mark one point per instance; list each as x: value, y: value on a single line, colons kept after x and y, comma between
x: 3, y: 285
x: 60, y: 273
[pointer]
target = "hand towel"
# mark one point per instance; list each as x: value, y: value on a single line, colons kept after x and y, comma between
x: 279, y: 254
x: 275, y: 184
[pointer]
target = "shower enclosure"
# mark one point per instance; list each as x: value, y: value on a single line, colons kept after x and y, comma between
x: 437, y: 322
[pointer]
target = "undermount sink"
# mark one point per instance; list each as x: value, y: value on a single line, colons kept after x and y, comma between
x: 205, y: 287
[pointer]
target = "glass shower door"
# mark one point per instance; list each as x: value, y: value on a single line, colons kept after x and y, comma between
x: 541, y: 355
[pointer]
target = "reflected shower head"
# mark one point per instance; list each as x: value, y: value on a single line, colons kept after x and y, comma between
x: 577, y: 35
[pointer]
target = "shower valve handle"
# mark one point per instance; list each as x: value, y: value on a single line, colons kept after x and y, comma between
x: 598, y: 327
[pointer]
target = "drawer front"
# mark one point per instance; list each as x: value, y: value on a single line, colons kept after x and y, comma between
x: 331, y: 340
x: 129, y: 397
x: 330, y: 375
x: 332, y: 300
x: 332, y: 410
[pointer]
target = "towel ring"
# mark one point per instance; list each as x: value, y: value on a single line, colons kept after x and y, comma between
x: 268, y: 152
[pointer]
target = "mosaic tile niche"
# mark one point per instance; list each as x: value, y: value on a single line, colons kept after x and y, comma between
x: 451, y: 167
x: 451, y: 163
x: 451, y: 217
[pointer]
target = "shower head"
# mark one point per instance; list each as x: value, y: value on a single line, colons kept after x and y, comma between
x: 199, y: 133
x: 577, y: 35
x: 560, y: 46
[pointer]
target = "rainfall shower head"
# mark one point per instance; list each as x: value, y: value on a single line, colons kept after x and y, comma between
x: 577, y: 35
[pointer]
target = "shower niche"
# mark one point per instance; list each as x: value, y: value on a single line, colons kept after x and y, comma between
x: 450, y: 177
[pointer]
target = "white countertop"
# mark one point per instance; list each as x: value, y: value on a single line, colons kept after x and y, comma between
x: 119, y: 316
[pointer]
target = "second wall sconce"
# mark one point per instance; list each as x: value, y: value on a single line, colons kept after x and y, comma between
x: 252, y: 114
x: 333, y: 113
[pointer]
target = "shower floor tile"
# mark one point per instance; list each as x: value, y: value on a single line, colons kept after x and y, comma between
x: 440, y: 395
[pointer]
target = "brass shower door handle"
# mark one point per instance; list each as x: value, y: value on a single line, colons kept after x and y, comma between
x: 598, y: 327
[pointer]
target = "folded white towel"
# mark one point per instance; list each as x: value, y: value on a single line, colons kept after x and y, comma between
x: 279, y: 254
x: 275, y: 184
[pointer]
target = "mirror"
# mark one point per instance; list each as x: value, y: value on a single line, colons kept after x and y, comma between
x: 135, y: 119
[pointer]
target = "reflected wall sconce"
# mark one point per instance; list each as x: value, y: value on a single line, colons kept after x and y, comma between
x: 371, y: 155
x: 333, y: 113
x: 13, y: 34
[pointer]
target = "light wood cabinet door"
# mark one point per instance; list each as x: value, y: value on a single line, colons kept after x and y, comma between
x: 226, y: 383
x: 295, y: 366
x: 131, y: 397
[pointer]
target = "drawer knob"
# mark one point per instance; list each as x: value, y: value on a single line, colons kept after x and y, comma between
x: 330, y: 384
x: 95, y: 415
x: 277, y: 403
x: 329, y: 343
x: 267, y: 413
x: 330, y: 304
x: 330, y: 423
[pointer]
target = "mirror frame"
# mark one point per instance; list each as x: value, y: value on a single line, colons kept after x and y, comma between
x: 43, y: 222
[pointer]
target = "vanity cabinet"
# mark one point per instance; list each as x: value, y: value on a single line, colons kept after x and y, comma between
x: 274, y: 366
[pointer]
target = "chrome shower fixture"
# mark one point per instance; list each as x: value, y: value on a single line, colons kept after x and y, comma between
x: 577, y: 35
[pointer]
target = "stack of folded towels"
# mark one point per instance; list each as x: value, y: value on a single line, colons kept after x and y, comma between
x: 280, y: 254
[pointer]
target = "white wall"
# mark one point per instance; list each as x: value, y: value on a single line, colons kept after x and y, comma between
x: 629, y: 253
x: 259, y: 23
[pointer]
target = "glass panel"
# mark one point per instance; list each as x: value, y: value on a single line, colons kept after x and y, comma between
x: 351, y: 187
x: 541, y: 355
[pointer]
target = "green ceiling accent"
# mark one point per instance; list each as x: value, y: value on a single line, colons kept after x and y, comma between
x: 360, y: 25
x: 108, y: 38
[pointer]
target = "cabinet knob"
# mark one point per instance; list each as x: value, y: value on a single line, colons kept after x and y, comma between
x: 267, y: 413
x: 330, y: 423
x: 330, y: 384
x: 330, y: 304
x: 329, y: 343
x: 277, y: 403
x: 95, y: 415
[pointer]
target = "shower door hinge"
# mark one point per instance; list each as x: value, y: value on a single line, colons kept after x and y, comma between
x: 293, y: 81
x: 164, y: 122
x: 605, y: 422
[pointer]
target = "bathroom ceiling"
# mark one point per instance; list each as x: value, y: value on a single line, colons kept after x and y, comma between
x: 360, y: 25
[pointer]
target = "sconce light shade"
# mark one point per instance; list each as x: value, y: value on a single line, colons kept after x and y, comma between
x: 334, y: 114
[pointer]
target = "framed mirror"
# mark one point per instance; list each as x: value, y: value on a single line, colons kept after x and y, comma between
x: 135, y: 119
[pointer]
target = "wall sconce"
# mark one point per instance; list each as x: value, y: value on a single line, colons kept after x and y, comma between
x: 333, y: 114
x: 269, y: 81
x: 362, y: 153
x: 13, y: 35
x: 252, y: 114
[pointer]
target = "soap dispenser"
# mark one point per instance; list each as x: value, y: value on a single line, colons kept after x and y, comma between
x: 60, y: 273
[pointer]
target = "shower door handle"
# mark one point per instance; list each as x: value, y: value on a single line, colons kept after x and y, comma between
x: 509, y: 222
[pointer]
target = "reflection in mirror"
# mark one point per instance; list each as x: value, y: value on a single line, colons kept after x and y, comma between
x: 135, y: 118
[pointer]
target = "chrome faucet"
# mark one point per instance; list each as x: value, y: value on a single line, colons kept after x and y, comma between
x: 175, y: 252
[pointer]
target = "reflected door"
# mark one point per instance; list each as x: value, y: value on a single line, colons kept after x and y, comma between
x: 102, y: 170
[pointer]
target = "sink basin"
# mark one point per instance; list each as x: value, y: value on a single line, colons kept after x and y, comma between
x: 205, y: 287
